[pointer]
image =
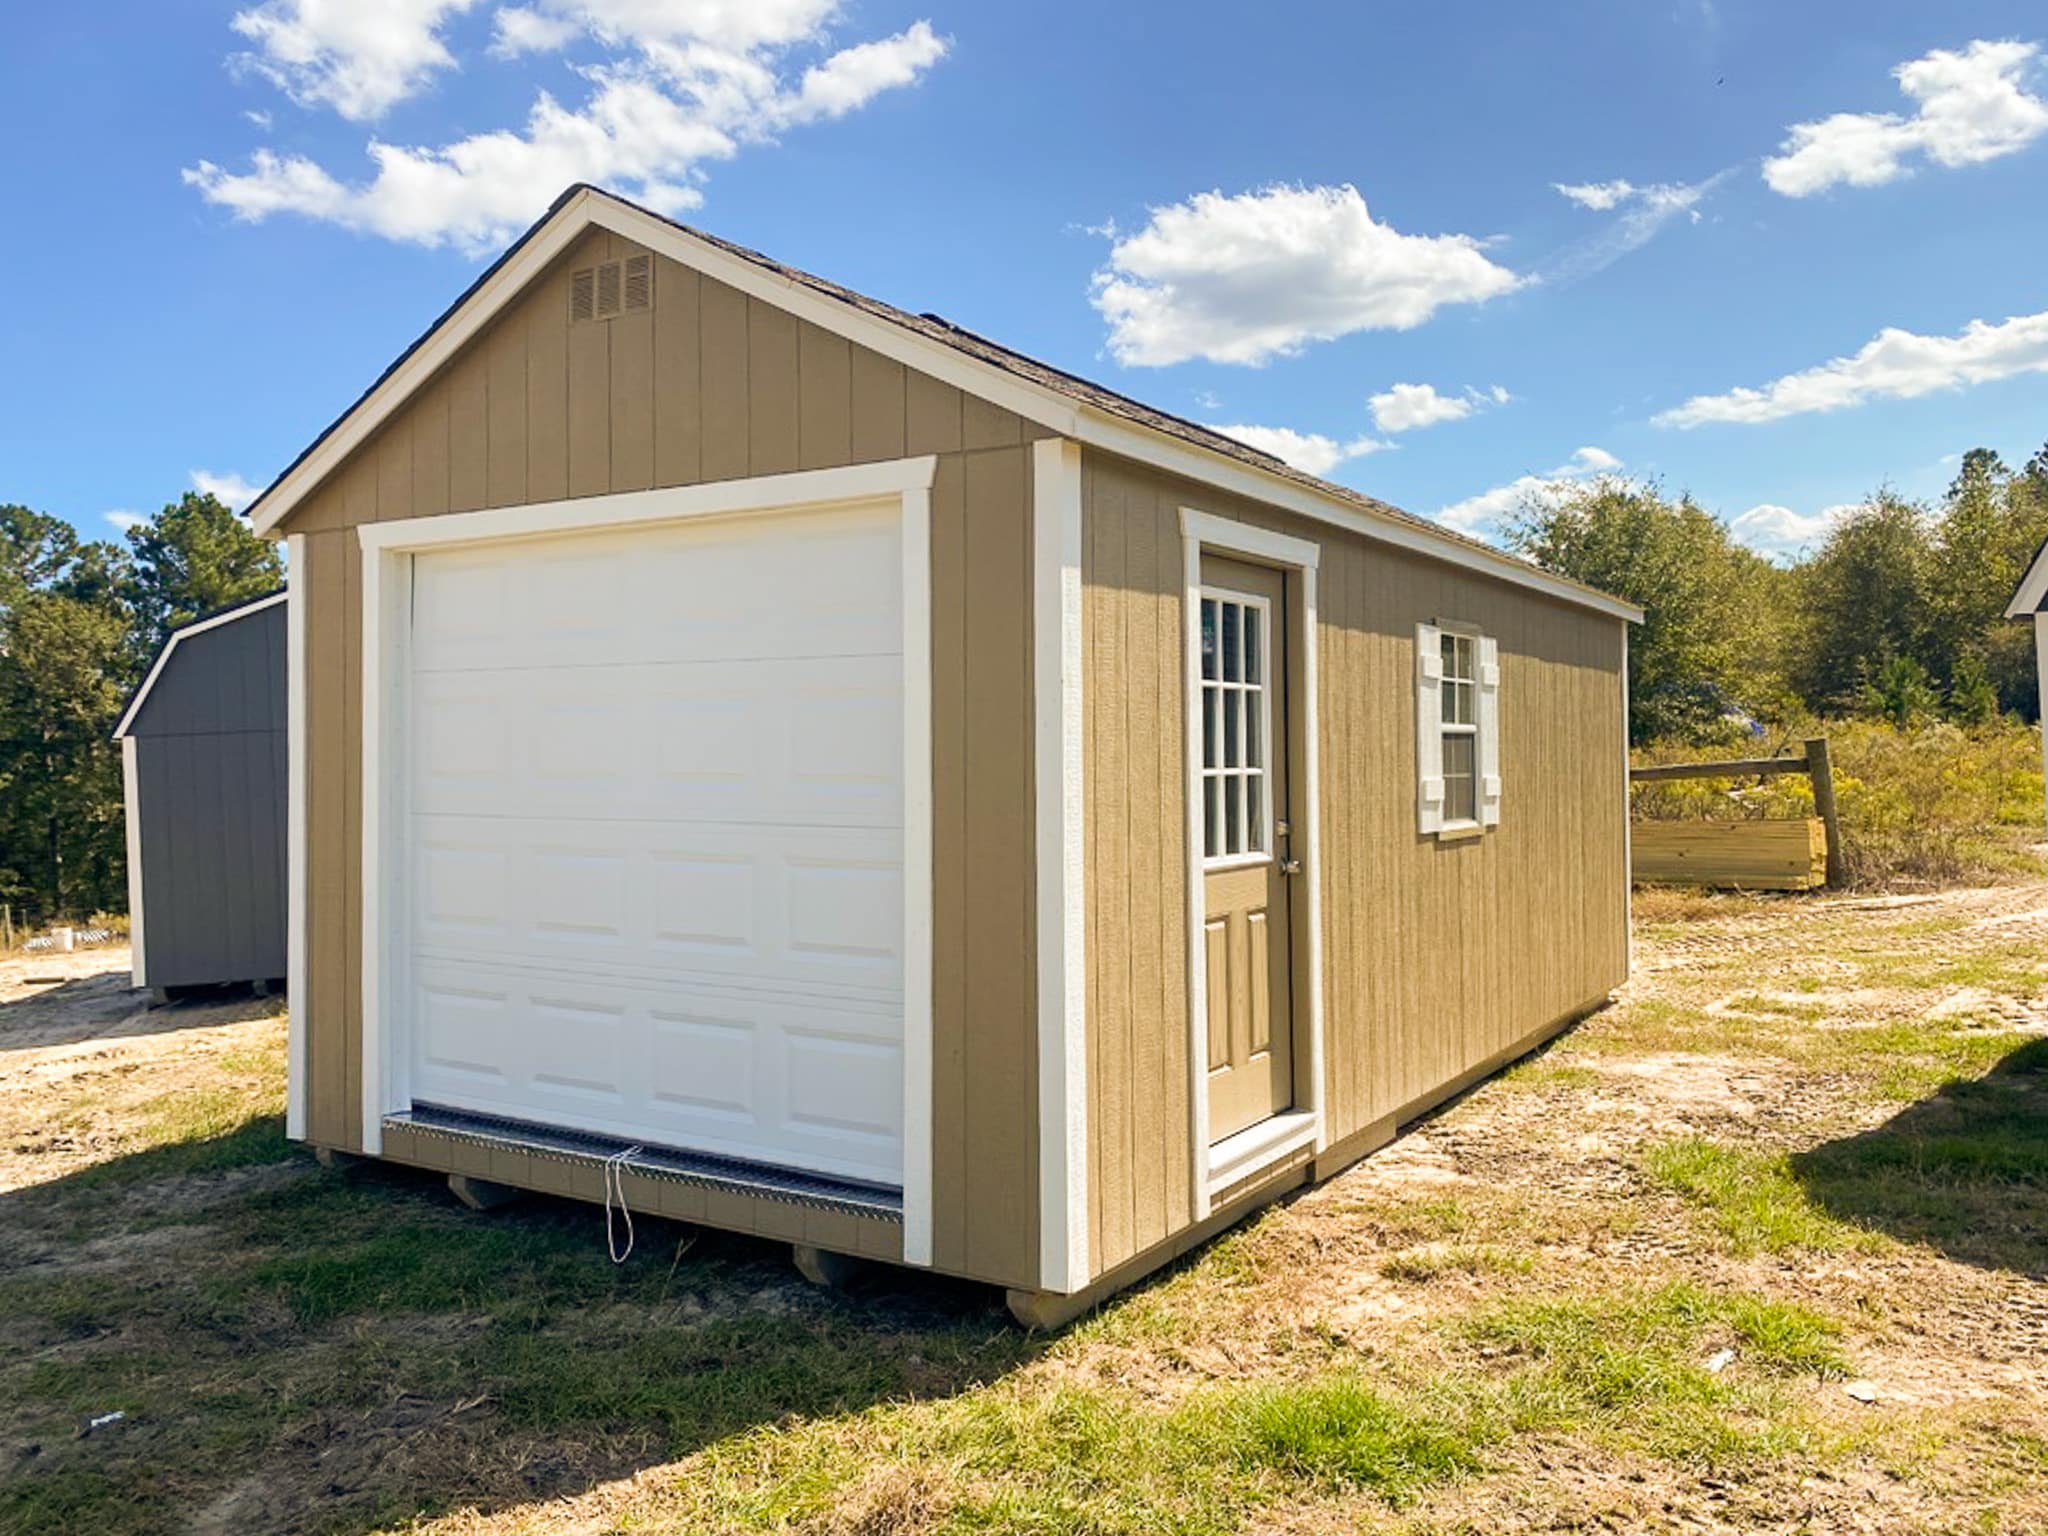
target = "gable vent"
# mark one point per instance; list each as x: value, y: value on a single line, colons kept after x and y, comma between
x: 639, y: 282
x: 612, y: 288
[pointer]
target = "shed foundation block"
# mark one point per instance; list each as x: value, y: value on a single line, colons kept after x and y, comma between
x: 482, y: 1194
x: 820, y: 1266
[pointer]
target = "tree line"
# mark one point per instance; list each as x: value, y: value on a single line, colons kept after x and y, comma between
x: 80, y: 621
x: 1898, y: 613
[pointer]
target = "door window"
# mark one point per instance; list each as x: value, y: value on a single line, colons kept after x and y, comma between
x: 1237, y: 811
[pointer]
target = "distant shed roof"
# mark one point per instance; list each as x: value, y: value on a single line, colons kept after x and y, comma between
x: 199, y: 626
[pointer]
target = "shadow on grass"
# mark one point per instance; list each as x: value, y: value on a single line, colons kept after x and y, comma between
x: 1965, y: 1171
x: 107, y: 1006
x: 296, y: 1350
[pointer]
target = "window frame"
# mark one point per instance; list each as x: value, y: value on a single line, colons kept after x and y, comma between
x: 1466, y: 638
x: 1251, y: 857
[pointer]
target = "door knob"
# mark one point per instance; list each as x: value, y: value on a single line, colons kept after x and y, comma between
x: 1290, y: 866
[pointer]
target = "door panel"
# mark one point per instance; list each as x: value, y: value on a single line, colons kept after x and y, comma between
x: 1248, y: 961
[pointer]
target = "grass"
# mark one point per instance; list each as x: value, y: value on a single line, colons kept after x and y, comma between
x: 1753, y: 1197
x: 1394, y: 1351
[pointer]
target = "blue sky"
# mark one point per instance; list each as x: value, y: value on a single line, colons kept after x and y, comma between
x: 1798, y: 251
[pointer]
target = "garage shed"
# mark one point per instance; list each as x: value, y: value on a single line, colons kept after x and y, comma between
x: 886, y: 794
x: 203, y: 769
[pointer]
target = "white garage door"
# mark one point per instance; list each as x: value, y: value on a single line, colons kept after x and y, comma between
x: 656, y: 818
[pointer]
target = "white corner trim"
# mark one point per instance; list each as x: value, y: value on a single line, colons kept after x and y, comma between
x: 174, y: 639
x: 1060, y: 813
x: 917, y: 873
x: 1202, y: 531
x: 297, y: 1000
x: 387, y: 564
x: 1628, y: 832
x: 1034, y: 402
x: 2041, y: 678
x: 131, y: 793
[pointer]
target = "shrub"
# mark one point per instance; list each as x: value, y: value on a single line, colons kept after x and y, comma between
x: 1926, y: 804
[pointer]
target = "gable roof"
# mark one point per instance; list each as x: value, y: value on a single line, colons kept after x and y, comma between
x: 1063, y: 402
x: 2032, y: 593
x: 228, y: 615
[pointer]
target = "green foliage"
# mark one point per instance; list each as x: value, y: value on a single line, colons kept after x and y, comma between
x: 1929, y: 803
x: 1708, y: 640
x: 79, y: 620
x: 193, y: 557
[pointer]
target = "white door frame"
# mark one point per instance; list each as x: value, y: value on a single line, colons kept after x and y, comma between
x: 1240, y: 1157
x: 387, y: 552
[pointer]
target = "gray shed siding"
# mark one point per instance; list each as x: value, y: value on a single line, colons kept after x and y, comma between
x: 210, y: 794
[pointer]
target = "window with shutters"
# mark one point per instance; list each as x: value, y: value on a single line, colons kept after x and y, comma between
x: 1457, y: 728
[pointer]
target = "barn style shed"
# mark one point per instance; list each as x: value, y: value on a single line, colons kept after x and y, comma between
x: 889, y: 795
x: 203, y: 769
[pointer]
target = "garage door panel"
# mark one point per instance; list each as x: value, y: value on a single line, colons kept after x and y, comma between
x: 791, y: 1080
x: 813, y: 907
x: 655, y: 791
x: 691, y: 593
x: 757, y: 741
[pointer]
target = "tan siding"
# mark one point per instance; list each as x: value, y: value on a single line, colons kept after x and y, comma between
x: 713, y: 386
x: 1437, y: 956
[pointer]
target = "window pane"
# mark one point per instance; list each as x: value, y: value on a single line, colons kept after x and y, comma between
x: 1208, y: 637
x: 1254, y: 748
x: 1211, y: 700
x: 1460, y: 798
x: 1233, y: 822
x: 1449, y: 645
x: 1232, y: 654
x: 1233, y: 712
x: 1252, y: 660
x: 1212, y: 790
x: 1450, y: 702
x: 1255, y: 812
x: 1458, y: 703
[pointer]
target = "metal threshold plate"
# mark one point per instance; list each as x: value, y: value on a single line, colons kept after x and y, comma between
x: 736, y: 1175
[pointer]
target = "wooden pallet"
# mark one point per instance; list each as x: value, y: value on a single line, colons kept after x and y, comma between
x: 1736, y: 855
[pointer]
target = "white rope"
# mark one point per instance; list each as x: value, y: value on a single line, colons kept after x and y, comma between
x: 615, y: 1189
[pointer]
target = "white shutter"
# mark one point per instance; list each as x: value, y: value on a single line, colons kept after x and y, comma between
x: 1489, y: 731
x: 1429, y: 732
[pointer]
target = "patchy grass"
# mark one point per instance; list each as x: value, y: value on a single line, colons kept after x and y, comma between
x: 1753, y: 1197
x: 1495, y: 1324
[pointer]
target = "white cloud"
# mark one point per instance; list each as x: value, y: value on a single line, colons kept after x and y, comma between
x: 260, y: 119
x: 230, y: 489
x: 1781, y: 533
x: 1244, y: 278
x: 1597, y: 195
x: 1895, y: 365
x: 1970, y: 107
x: 1645, y: 212
x: 1405, y: 407
x: 359, y: 58
x: 690, y: 82
x: 1310, y: 452
x: 1481, y: 516
x: 123, y: 519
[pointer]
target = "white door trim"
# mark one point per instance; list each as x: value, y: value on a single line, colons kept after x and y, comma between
x: 1061, y: 866
x: 298, y: 1001
x: 131, y: 810
x: 388, y: 551
x: 1202, y: 531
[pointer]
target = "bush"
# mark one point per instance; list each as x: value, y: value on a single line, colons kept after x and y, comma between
x: 1925, y: 804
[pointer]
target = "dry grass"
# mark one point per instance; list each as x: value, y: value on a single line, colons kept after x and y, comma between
x: 1620, y: 1287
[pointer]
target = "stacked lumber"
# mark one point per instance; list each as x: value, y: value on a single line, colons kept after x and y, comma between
x: 1735, y: 855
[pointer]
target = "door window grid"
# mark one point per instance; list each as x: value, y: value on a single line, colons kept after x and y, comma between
x: 1235, y: 639
x: 1460, y: 727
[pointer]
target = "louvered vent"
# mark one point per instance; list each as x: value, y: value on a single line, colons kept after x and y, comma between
x: 639, y: 282
x: 611, y: 289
